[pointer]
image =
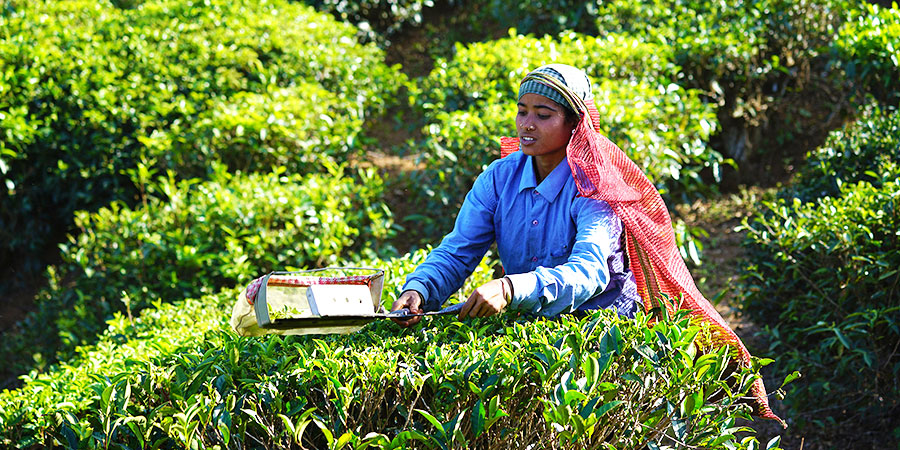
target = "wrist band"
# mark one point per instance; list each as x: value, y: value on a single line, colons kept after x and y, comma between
x: 512, y: 290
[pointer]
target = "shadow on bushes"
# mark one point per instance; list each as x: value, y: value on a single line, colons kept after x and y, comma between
x: 822, y: 273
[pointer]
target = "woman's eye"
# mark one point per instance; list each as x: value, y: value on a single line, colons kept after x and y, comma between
x: 543, y: 116
x: 521, y: 113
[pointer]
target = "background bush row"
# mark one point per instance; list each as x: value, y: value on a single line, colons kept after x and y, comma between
x: 868, y: 47
x: 189, y: 238
x: 767, y: 65
x: 90, y: 90
x: 822, y: 274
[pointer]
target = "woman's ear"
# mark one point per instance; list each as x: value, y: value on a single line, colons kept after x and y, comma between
x: 572, y: 122
x: 572, y: 118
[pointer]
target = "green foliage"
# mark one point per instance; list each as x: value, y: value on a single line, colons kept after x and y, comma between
x: 760, y: 62
x: 299, y: 128
x: 823, y: 275
x: 376, y: 18
x: 539, y: 16
x: 173, y: 377
x: 490, y: 72
x: 88, y: 90
x: 860, y: 151
x: 96, y: 99
x: 468, y: 102
x: 870, y: 45
x: 194, y: 238
x: 752, y: 59
x: 128, y: 344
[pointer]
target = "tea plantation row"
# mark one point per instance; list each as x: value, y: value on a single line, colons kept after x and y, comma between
x: 822, y: 274
x: 90, y: 90
x: 175, y: 377
x: 188, y: 238
x: 161, y: 122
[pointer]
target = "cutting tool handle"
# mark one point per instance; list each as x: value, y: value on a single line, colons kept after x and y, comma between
x: 404, y: 312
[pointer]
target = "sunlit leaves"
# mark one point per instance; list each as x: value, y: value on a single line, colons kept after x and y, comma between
x: 495, y: 382
x: 822, y: 271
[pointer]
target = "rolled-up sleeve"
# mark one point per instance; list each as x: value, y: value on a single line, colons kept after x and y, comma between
x: 550, y: 291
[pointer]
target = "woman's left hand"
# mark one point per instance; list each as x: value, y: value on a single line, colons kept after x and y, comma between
x: 486, y: 300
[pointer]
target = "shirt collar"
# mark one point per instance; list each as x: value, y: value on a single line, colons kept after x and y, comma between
x: 552, y: 185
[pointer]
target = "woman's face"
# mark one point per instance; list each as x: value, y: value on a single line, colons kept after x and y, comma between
x: 542, y: 127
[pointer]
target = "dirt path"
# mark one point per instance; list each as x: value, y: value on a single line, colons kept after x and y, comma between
x: 717, y: 276
x: 717, y: 279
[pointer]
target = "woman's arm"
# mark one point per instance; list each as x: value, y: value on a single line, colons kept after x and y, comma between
x: 447, y: 266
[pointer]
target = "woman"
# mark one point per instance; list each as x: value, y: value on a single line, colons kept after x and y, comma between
x: 526, y: 201
x: 562, y: 252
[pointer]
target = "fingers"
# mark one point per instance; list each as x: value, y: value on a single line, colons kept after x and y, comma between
x: 408, y: 322
x: 411, y: 301
x: 466, y: 310
x: 485, y: 301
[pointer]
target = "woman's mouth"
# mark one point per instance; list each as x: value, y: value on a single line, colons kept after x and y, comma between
x: 527, y: 140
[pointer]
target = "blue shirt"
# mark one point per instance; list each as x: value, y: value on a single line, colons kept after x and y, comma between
x: 562, y: 252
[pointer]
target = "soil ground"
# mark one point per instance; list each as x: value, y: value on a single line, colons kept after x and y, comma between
x: 717, y: 278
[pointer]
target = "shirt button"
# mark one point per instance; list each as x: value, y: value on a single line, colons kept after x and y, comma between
x: 534, y: 259
x: 534, y: 222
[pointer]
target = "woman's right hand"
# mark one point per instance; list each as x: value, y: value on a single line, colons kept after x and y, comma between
x: 412, y: 301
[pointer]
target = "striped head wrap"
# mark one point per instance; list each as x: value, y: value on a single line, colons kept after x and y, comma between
x: 564, y: 84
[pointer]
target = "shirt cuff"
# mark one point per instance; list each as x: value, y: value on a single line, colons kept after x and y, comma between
x: 525, y: 297
x: 422, y: 290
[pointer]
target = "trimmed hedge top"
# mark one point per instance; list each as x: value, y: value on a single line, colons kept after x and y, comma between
x: 174, y: 378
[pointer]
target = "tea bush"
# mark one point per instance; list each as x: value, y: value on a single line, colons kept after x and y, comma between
x: 194, y: 238
x: 174, y: 377
x: 858, y: 152
x: 490, y: 72
x: 870, y: 45
x: 299, y: 128
x: 132, y: 340
x: 128, y: 344
x: 538, y: 17
x: 376, y: 19
x: 469, y: 102
x: 822, y: 274
x: 762, y: 62
x: 89, y: 90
